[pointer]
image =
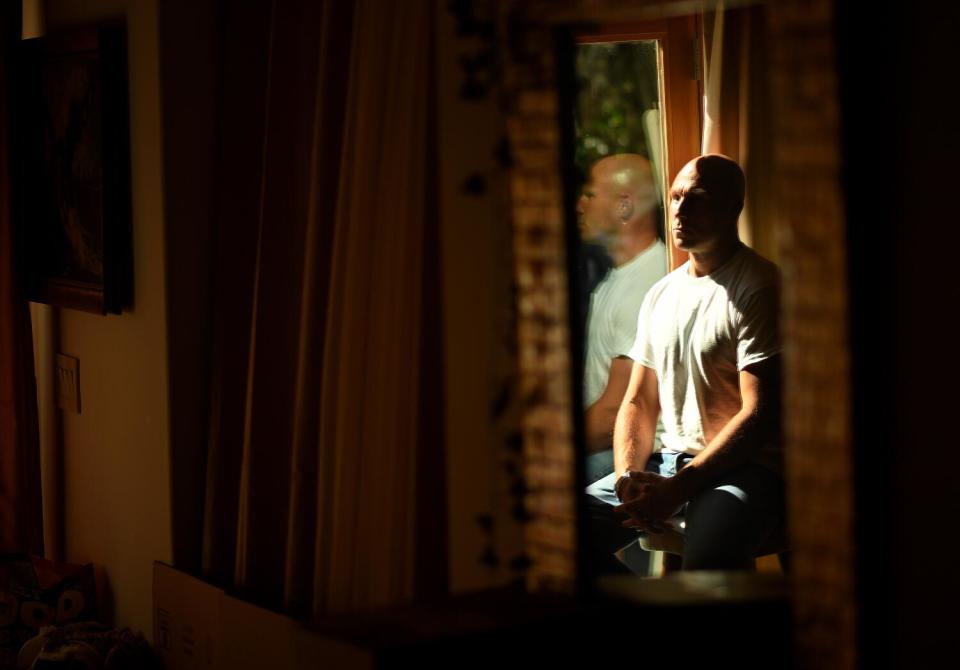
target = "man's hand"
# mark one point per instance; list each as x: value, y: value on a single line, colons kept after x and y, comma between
x: 650, y: 500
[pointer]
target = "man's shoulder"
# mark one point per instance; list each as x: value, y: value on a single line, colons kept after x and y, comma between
x: 668, y: 285
x: 756, y: 287
x: 759, y: 265
x: 678, y: 274
x: 755, y: 273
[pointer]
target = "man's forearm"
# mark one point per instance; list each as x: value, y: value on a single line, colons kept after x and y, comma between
x: 633, y: 436
x: 733, y: 446
x: 599, y: 420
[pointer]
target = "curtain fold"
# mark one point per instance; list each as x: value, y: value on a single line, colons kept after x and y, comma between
x: 736, y: 111
x: 246, y: 39
x: 21, y: 516
x: 312, y: 482
x: 368, y: 399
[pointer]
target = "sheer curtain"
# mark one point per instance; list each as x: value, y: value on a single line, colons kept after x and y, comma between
x: 323, y: 465
x: 736, y: 114
x: 21, y: 516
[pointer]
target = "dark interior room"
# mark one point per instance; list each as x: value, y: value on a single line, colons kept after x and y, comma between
x: 298, y: 309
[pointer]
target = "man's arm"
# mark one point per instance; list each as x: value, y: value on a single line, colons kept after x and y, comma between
x: 602, y: 414
x: 636, y: 423
x: 757, y: 421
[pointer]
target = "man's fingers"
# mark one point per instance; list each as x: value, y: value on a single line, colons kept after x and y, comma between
x: 636, y: 524
x: 628, y: 506
x: 643, y: 525
x: 637, y: 519
x: 643, y: 477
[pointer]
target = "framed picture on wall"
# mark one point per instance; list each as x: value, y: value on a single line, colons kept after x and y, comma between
x: 71, y: 126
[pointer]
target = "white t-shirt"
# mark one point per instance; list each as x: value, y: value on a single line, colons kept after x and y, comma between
x: 612, y: 321
x: 697, y: 333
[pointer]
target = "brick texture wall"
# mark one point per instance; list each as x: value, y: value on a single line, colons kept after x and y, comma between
x: 811, y: 232
x: 543, y: 335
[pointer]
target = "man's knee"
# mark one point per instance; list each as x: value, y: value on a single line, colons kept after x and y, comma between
x: 605, y: 535
x: 719, y: 533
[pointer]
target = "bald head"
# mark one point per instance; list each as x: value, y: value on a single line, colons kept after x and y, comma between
x: 627, y: 174
x: 705, y: 201
x: 618, y: 207
x: 618, y: 199
x: 722, y: 179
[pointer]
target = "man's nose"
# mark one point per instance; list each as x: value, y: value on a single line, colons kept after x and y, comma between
x: 581, y: 204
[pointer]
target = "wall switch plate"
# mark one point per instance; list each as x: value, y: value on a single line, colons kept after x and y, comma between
x: 68, y: 383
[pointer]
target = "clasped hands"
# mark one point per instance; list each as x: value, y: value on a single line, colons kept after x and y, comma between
x: 650, y: 499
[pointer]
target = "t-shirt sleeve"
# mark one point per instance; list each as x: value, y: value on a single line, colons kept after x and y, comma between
x: 624, y: 331
x: 758, y: 331
x: 641, y: 351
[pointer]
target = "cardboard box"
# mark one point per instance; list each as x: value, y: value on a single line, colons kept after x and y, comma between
x: 198, y: 626
x: 186, y: 620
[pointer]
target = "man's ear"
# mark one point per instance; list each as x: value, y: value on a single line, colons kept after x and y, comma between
x: 625, y: 208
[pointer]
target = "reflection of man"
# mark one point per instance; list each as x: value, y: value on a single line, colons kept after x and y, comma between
x: 618, y: 210
x: 706, y: 359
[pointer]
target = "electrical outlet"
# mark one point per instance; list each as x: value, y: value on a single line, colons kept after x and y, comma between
x: 68, y: 383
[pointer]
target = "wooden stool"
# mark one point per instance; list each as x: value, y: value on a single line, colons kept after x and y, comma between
x: 665, y: 549
x: 666, y: 552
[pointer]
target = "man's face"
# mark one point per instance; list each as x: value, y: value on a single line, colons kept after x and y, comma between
x: 597, y: 206
x: 694, y: 224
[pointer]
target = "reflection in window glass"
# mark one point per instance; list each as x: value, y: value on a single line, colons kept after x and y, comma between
x: 618, y: 106
x: 619, y: 140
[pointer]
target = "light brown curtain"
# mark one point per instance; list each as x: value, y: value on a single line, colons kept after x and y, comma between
x: 21, y: 517
x: 317, y: 466
x: 736, y: 116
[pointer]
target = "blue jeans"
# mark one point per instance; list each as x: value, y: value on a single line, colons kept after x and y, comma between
x: 599, y: 465
x: 738, y: 517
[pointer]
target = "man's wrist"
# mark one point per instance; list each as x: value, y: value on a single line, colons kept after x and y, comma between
x: 620, y: 484
x: 684, y: 483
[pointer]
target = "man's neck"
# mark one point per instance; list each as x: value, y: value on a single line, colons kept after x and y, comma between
x: 630, y: 243
x: 705, y: 262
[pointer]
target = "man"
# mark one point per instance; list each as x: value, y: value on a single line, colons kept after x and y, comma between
x: 706, y: 360
x: 617, y: 211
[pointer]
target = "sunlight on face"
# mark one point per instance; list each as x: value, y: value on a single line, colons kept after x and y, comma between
x: 693, y: 221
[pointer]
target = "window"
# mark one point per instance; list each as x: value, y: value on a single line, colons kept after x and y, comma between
x: 639, y: 91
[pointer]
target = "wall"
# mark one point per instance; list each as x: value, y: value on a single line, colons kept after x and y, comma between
x: 116, y: 451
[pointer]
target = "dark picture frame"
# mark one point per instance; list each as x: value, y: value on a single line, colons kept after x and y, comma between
x: 73, y: 154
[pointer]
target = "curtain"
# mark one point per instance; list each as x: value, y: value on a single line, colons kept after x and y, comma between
x: 735, y: 111
x: 323, y: 450
x: 21, y: 518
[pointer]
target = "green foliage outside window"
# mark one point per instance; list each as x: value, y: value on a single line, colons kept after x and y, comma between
x: 617, y: 82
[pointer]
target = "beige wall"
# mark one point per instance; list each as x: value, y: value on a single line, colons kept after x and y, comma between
x: 116, y: 452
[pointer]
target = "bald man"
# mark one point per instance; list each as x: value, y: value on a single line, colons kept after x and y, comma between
x: 618, y: 210
x: 706, y: 360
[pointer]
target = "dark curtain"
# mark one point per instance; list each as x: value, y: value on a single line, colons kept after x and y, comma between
x: 21, y: 516
x: 324, y: 468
